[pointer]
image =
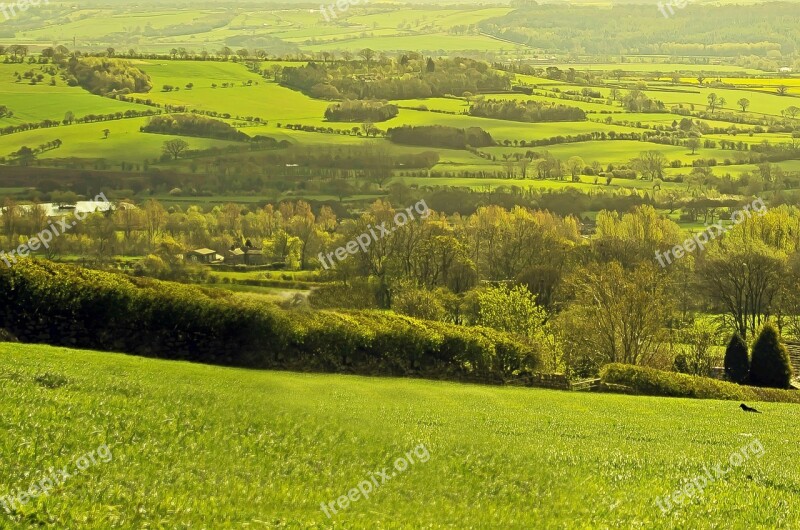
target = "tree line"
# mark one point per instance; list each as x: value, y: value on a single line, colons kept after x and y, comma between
x: 527, y: 111
x: 411, y: 77
x: 193, y: 125
x: 440, y: 136
x: 589, y: 301
x: 361, y: 111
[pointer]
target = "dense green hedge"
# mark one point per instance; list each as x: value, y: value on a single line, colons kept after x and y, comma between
x: 68, y: 306
x: 651, y: 382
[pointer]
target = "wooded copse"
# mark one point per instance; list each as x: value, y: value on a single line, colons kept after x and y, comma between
x: 530, y: 111
x: 440, y: 136
x: 100, y: 75
x: 361, y: 111
x: 194, y: 125
x: 413, y: 76
x: 637, y: 32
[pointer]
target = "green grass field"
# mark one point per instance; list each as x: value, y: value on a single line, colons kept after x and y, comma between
x: 382, y: 27
x: 267, y: 100
x: 34, y: 103
x: 279, y: 105
x: 124, y: 143
x: 385, y: 28
x: 206, y: 447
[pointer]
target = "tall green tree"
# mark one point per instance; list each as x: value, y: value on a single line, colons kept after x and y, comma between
x: 737, y: 363
x: 616, y: 316
x: 511, y: 309
x: 770, y: 366
x: 743, y: 276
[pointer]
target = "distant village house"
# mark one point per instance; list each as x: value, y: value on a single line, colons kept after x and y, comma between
x: 246, y: 254
x: 204, y: 255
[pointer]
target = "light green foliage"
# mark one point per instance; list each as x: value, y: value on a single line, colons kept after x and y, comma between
x: 511, y: 309
x: 697, y: 347
x: 616, y: 316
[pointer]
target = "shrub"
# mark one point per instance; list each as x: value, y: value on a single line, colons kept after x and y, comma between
x: 526, y: 111
x: 652, y: 382
x: 419, y: 303
x: 193, y: 125
x: 68, y: 306
x: 737, y: 363
x: 770, y: 366
x: 100, y: 75
x: 513, y: 310
x: 440, y: 136
x: 681, y: 364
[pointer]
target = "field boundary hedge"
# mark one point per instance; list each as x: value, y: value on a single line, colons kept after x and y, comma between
x: 69, y: 306
x: 652, y: 382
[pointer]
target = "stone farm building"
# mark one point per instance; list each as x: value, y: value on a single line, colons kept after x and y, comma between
x: 204, y: 255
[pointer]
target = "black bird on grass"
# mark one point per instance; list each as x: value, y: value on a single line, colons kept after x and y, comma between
x: 749, y: 409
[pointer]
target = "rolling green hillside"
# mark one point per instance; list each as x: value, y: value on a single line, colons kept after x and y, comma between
x: 209, y: 447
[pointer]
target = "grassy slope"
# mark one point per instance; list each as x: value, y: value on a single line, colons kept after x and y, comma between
x: 126, y: 142
x: 386, y: 27
x: 221, y: 448
x: 33, y: 103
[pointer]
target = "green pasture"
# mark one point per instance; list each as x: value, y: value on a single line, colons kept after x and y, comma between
x: 124, y: 143
x: 426, y: 42
x: 195, y: 445
x: 34, y: 103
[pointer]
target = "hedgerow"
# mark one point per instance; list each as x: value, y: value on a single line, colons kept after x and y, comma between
x: 651, y: 382
x: 68, y: 306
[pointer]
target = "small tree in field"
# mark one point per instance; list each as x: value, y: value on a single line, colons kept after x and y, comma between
x: 175, y: 147
x: 770, y: 366
x: 737, y: 364
x: 744, y: 103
